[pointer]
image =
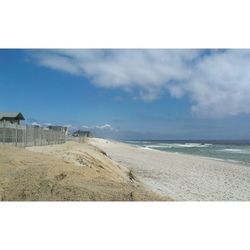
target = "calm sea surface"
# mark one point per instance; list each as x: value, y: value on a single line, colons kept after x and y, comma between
x: 227, y: 150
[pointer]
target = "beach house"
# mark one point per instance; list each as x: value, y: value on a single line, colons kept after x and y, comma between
x: 81, y: 133
x: 58, y: 128
x: 11, y: 117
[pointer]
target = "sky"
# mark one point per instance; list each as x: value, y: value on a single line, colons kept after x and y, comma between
x: 131, y: 93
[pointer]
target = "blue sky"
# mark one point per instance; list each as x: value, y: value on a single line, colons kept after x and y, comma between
x: 140, y: 94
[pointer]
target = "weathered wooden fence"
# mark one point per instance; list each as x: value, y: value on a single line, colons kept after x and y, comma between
x: 28, y: 135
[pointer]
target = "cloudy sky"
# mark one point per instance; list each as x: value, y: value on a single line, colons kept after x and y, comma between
x: 168, y: 94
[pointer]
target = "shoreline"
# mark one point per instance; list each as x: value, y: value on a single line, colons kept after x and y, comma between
x: 195, y: 155
x: 182, y: 176
x: 181, y: 153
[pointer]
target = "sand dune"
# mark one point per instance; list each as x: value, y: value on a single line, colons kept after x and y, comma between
x: 72, y: 172
x: 182, y: 177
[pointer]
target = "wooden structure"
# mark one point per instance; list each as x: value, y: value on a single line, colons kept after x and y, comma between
x: 57, y: 128
x: 11, y: 132
x: 81, y: 133
x: 11, y: 117
x: 29, y: 135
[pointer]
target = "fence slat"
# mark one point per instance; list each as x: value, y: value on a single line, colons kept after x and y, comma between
x: 28, y: 135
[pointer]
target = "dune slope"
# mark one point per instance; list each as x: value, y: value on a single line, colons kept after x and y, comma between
x: 66, y: 172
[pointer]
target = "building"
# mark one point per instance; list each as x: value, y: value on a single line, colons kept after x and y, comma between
x: 11, y: 117
x: 81, y: 133
x: 58, y: 128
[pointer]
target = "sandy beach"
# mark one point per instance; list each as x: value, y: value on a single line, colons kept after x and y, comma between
x: 106, y: 170
x: 67, y: 172
x: 182, y: 177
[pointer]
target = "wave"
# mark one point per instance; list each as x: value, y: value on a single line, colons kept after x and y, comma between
x: 235, y: 150
x: 148, y: 148
x: 138, y: 142
x: 180, y: 145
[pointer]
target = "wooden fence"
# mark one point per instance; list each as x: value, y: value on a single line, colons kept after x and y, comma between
x: 28, y: 135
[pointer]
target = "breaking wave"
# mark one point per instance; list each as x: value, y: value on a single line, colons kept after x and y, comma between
x: 235, y: 150
x: 179, y: 145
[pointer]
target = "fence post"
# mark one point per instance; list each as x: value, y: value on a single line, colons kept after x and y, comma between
x: 16, y: 134
x: 41, y: 136
x: 25, y: 138
x: 50, y: 136
x: 4, y: 132
x: 34, y: 136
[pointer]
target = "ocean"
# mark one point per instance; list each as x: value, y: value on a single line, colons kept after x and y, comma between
x: 234, y: 151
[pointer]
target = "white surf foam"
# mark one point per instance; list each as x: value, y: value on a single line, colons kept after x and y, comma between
x: 235, y: 150
x: 180, y: 145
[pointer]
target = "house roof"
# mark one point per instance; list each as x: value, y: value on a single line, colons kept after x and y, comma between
x: 16, y: 115
x: 56, y: 126
x: 81, y: 131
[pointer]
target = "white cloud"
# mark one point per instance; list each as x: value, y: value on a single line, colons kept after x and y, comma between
x: 105, y: 130
x: 106, y: 126
x: 217, y: 83
x: 35, y: 124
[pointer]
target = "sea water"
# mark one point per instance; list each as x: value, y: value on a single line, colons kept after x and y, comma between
x: 238, y: 151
